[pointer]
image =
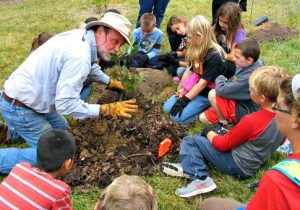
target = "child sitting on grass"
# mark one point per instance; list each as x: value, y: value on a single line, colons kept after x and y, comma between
x: 231, y: 100
x: 279, y: 187
x: 241, y: 151
x: 206, y: 63
x: 127, y: 193
x: 229, y: 31
x: 148, y: 38
x: 29, y: 187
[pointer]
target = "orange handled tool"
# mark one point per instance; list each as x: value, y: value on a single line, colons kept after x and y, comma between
x: 164, y: 147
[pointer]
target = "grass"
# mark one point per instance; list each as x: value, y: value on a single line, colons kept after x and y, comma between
x: 24, y: 20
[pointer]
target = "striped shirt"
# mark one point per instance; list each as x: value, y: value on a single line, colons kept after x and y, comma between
x: 27, y: 187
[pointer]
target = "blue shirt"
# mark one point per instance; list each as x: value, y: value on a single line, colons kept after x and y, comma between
x: 147, y: 42
x: 52, y: 76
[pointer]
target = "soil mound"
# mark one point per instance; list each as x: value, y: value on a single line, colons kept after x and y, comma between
x: 271, y: 31
x: 108, y: 147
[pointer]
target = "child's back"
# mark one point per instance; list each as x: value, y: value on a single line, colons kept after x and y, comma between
x: 27, y: 187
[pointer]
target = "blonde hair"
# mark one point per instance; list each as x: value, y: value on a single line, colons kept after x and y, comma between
x: 148, y: 21
x: 128, y: 193
x: 202, y: 39
x: 266, y: 81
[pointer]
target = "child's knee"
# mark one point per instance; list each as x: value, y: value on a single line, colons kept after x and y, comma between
x: 212, y: 96
x: 203, y: 118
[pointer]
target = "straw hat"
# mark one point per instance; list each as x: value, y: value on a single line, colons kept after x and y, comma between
x: 114, y: 21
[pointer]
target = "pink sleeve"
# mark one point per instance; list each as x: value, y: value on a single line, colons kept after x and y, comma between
x: 239, y: 35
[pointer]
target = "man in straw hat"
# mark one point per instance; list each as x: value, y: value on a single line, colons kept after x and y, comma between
x: 47, y: 84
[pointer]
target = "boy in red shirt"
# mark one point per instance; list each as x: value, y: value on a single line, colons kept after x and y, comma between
x: 242, y: 150
x: 279, y: 188
x: 29, y: 187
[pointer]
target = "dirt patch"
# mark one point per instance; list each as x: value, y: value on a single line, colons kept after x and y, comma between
x: 271, y: 31
x: 108, y: 147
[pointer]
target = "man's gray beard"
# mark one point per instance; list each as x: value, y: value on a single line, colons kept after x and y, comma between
x: 104, y: 57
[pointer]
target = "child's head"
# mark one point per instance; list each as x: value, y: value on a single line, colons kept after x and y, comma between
x: 228, y: 21
x: 55, y: 151
x: 127, y: 193
x: 288, y: 111
x: 264, y: 82
x: 177, y: 25
x: 246, y: 52
x: 148, y: 22
x: 41, y: 39
x: 200, y: 39
x: 229, y: 17
x: 90, y: 19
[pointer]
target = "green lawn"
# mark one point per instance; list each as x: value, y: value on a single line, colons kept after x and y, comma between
x: 22, y: 21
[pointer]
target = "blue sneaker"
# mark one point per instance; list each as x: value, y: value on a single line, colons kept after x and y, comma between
x: 173, y: 169
x: 286, y: 147
x: 196, y: 187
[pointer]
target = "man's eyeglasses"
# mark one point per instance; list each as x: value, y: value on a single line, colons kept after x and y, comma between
x: 275, y: 107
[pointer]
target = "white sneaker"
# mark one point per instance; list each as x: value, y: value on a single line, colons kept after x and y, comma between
x: 173, y: 169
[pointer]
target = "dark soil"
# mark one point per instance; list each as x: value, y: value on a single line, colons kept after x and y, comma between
x: 271, y: 31
x: 109, y: 147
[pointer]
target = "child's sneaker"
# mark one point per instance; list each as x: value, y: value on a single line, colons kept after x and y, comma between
x: 196, y: 187
x: 173, y: 169
x: 286, y: 147
x: 176, y: 79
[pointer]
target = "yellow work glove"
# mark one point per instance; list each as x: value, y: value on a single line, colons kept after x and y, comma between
x: 116, y: 85
x: 119, y: 109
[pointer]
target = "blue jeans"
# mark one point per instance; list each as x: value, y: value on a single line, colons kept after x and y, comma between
x: 158, y: 7
x: 180, y: 70
x: 196, y: 152
x: 29, y: 125
x: 190, y: 112
x: 85, y: 92
x: 153, y: 63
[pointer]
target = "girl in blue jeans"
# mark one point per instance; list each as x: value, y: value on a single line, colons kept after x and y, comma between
x: 206, y: 61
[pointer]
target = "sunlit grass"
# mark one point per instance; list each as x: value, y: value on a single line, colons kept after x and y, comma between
x: 21, y: 22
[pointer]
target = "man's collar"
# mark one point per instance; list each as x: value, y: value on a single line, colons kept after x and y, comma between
x: 93, y: 45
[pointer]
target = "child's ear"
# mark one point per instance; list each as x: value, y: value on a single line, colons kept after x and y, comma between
x: 67, y: 165
x: 250, y: 60
x: 295, y: 125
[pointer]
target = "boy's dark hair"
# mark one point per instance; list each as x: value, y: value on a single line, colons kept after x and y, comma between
x: 40, y: 40
x: 90, y: 19
x: 54, y: 147
x: 249, y: 47
x: 113, y: 10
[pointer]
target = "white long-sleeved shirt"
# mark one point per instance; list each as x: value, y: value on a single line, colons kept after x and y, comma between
x: 52, y: 76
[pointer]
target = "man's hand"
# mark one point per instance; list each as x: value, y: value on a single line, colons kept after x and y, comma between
x: 122, y: 109
x: 116, y: 85
x: 179, y: 106
x: 142, y: 59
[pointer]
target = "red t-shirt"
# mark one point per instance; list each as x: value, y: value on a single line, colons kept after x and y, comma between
x: 27, y: 187
x: 276, y: 192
